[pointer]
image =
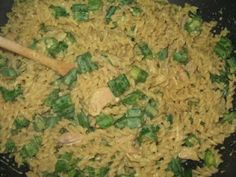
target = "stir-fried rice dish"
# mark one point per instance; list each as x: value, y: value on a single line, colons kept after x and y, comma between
x: 151, y: 92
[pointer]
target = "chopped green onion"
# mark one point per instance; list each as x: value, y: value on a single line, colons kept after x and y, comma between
x: 80, y: 12
x: 194, y: 24
x: 58, y: 11
x: 70, y: 38
x: 209, y: 158
x: 83, y: 120
x: 10, y: 146
x: 136, y: 11
x: 148, y: 131
x: 181, y: 56
x: 85, y: 63
x: 169, y: 118
x: 31, y: 149
x: 151, y: 108
x: 191, y: 140
x: 19, y: 124
x: 52, y: 97
x: 104, y: 121
x: 110, y: 12
x: 70, y: 77
x: 66, y: 163
x: 64, y: 107
x: 145, y: 50
x: 138, y: 74
x: 39, y: 124
x: 222, y: 78
x: 54, y: 47
x: 8, y: 72
x: 119, y: 85
x: 11, y: 95
x: 228, y: 117
x: 95, y: 4
x: 133, y: 98
x: 132, y: 119
x: 232, y: 64
x: 52, y: 120
x: 177, y: 168
x: 223, y: 48
x: 162, y: 54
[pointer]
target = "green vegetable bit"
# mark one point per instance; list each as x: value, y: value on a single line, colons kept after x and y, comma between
x: 232, y: 64
x: 66, y: 163
x: 11, y: 95
x: 55, y: 47
x: 95, y: 5
x: 85, y: 63
x: 70, y: 38
x: 119, y: 85
x: 52, y: 97
x: 181, y: 56
x: 58, y: 11
x: 138, y: 74
x: 3, y: 61
x: 228, y: 117
x: 19, y: 124
x: 64, y: 107
x: 145, y: 50
x: 209, y: 158
x: 136, y: 11
x: 223, y: 48
x: 169, y: 118
x: 70, y: 77
x: 83, y: 120
x: 176, y: 167
x: 8, y: 72
x: 162, y: 54
x: 31, y: 149
x: 148, y: 131
x: 222, y: 78
x: 39, y: 124
x: 110, y: 12
x: 61, y: 105
x: 194, y: 24
x: 133, y: 98
x: 80, y: 12
x: 151, y: 108
x: 10, y: 146
x: 191, y: 140
x: 104, y: 121
x: 132, y: 119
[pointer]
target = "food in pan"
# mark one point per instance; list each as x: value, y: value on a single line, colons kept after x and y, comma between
x: 152, y: 90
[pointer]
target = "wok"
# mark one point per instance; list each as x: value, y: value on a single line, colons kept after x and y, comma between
x: 209, y: 10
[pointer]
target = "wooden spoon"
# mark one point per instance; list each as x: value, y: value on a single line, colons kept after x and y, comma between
x: 58, y: 66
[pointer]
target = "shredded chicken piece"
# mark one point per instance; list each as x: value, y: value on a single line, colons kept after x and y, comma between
x: 188, y: 153
x: 101, y: 98
x: 70, y: 138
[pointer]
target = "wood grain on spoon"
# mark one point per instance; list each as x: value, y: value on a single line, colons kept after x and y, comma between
x: 58, y: 66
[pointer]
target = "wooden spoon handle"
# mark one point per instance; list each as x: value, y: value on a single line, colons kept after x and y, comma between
x: 58, y: 66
